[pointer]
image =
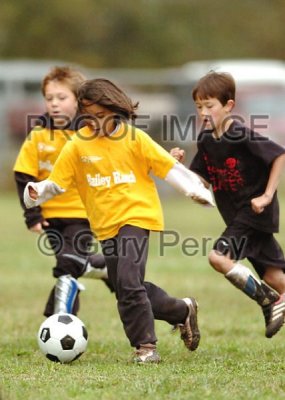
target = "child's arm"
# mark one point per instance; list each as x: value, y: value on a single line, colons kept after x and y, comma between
x: 36, y: 193
x: 165, y: 167
x: 190, y: 184
x: 179, y: 155
x: 33, y: 217
x: 259, y: 203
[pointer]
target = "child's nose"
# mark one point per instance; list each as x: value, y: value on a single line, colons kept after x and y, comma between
x: 203, y: 111
x: 54, y: 102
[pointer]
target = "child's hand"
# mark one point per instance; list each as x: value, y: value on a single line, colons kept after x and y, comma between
x: 38, y: 228
x: 258, y: 204
x: 178, y: 154
x: 33, y: 193
x: 200, y: 200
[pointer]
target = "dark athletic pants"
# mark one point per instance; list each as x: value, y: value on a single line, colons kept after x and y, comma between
x: 139, y: 302
x: 71, y: 236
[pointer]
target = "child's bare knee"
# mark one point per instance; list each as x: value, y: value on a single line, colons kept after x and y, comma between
x: 271, y: 275
x: 216, y: 259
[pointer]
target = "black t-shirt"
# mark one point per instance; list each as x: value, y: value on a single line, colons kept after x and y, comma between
x: 238, y: 165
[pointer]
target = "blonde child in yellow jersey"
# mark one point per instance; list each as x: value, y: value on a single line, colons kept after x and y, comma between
x: 63, y: 218
x: 110, y: 161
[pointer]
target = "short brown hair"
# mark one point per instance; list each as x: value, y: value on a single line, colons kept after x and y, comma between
x: 220, y: 85
x: 66, y: 75
x: 105, y: 93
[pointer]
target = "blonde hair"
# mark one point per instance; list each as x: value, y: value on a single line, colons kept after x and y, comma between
x: 65, y: 75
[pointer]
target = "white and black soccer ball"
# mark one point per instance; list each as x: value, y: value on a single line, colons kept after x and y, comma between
x: 62, y: 338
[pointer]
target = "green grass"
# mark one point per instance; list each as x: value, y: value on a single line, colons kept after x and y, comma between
x: 234, y: 360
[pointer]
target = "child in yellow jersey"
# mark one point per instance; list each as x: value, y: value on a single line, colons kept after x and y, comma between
x: 64, y: 218
x: 110, y: 162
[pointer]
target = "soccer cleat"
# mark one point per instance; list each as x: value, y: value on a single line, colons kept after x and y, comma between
x: 189, y: 331
x: 274, y: 315
x: 146, y: 355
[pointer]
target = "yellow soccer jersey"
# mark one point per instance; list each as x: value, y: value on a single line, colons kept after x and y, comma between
x: 37, y: 157
x: 112, y: 177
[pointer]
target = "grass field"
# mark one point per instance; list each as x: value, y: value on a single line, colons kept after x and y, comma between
x: 234, y: 360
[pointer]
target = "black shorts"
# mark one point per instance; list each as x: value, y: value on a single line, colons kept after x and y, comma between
x: 260, y: 248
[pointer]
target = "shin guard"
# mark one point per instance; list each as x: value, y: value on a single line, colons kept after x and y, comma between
x: 241, y: 277
x: 66, y: 291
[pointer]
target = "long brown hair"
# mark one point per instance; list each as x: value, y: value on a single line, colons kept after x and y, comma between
x: 105, y: 93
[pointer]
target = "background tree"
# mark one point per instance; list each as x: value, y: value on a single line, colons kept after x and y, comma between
x: 145, y: 33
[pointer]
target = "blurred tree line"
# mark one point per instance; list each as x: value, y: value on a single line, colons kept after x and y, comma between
x: 141, y: 33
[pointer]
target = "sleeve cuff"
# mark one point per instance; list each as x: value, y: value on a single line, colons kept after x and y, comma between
x: 190, y: 184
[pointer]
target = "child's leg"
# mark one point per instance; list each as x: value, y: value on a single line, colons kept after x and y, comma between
x: 270, y: 265
x: 269, y: 262
x: 140, y: 302
x: 275, y: 278
x: 50, y: 305
x: 242, y: 278
x: 164, y: 307
x: 92, y: 267
x: 274, y: 314
x: 180, y: 313
x: 237, y: 242
x: 61, y: 233
x: 259, y: 248
x: 126, y: 257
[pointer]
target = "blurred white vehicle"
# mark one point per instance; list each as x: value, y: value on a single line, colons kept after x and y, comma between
x: 166, y: 110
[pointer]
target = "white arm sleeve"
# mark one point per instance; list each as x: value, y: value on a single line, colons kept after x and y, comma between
x: 46, y: 190
x: 190, y: 184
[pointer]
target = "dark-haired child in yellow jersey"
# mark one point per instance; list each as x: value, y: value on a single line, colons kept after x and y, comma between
x: 110, y: 163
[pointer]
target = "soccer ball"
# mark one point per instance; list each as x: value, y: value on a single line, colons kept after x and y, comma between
x: 62, y: 338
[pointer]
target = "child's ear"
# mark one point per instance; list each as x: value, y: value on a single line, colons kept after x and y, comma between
x: 230, y: 105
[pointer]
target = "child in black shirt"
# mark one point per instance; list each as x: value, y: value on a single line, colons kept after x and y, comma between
x: 243, y: 169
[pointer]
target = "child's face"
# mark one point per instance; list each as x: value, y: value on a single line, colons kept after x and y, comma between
x: 100, y: 119
x: 214, y: 116
x: 61, y: 103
